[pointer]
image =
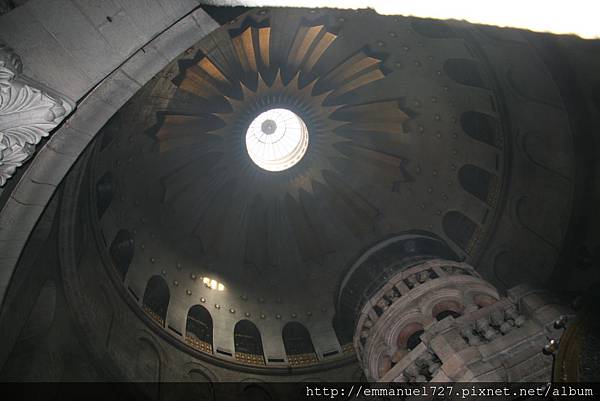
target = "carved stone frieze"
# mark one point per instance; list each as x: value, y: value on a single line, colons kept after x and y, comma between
x: 27, y: 114
x: 440, y: 321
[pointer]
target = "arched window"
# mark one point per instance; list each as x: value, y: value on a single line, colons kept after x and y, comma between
x: 156, y: 299
x: 344, y: 331
x: 298, y: 345
x: 481, y: 127
x: 104, y: 193
x: 447, y: 308
x: 460, y: 229
x: 255, y: 392
x: 121, y: 251
x: 478, y: 182
x: 199, y: 329
x: 464, y: 71
x: 248, y: 343
x: 410, y: 336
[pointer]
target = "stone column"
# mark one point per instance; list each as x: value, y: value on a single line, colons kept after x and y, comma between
x: 440, y: 321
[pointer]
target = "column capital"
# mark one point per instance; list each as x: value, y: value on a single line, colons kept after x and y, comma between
x: 28, y: 113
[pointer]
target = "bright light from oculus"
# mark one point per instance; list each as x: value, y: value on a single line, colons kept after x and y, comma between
x: 577, y: 16
x: 213, y: 284
x: 277, y: 139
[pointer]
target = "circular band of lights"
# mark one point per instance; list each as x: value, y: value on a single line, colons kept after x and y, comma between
x: 277, y: 139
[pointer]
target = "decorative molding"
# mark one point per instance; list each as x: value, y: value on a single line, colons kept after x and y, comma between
x: 27, y: 114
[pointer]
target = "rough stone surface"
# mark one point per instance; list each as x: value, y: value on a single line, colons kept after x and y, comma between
x: 56, y: 157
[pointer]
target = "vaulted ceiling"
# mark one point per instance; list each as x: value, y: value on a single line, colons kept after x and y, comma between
x: 406, y: 133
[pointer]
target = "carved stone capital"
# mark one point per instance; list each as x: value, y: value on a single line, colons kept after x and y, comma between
x: 27, y: 114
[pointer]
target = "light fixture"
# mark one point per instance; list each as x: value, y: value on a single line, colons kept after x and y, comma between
x: 277, y: 139
x: 213, y: 284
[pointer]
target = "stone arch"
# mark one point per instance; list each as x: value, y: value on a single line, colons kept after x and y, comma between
x: 147, y: 360
x: 55, y: 158
x: 156, y: 299
x: 298, y: 345
x: 248, y: 343
x: 121, y: 250
x: 199, y: 329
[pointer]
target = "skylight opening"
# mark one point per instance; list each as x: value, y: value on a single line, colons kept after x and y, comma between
x: 277, y: 139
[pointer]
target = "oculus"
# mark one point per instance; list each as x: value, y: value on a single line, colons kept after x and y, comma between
x: 276, y: 139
